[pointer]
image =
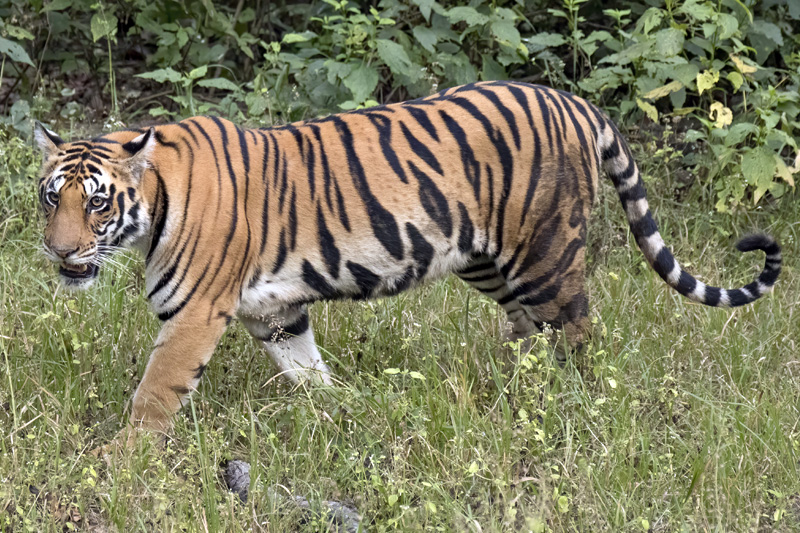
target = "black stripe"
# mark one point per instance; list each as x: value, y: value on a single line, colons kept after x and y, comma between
x: 686, y: 283
x: 364, y: 277
x: 466, y: 233
x: 177, y: 309
x: 265, y: 207
x: 536, y: 174
x: 421, y: 116
x: 644, y: 227
x: 420, y: 149
x: 293, y: 220
x: 478, y: 267
x: 282, y: 251
x: 712, y: 296
x: 507, y: 114
x: 433, y: 201
x: 384, y: 127
x: 421, y: 250
x: 383, y: 223
x: 310, y: 166
x: 472, y: 169
x: 162, y: 206
x: 664, y: 263
x: 327, y: 245
x: 317, y: 281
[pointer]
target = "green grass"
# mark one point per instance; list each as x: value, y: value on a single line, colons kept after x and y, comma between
x: 678, y: 417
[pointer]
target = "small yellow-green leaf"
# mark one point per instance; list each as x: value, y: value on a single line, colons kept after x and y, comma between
x: 416, y: 375
x: 741, y: 66
x: 721, y: 115
x: 391, y: 371
x: 664, y: 90
x: 706, y: 80
x: 783, y: 171
x: 563, y: 504
x: 648, y: 108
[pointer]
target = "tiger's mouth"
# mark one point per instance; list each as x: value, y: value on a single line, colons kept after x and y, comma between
x: 78, y: 273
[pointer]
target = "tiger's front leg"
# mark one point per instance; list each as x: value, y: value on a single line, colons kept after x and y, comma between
x: 289, y: 341
x: 182, y: 351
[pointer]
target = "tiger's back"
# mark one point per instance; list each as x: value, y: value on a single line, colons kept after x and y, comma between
x: 493, y: 181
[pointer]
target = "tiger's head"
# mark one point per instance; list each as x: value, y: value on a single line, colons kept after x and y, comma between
x: 92, y: 200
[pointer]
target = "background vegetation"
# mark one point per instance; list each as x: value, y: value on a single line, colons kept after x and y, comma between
x: 679, y: 418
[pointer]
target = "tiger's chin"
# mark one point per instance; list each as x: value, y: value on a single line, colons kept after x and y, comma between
x: 78, y: 277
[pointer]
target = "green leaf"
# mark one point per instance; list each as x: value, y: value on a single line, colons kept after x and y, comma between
x: 698, y: 9
x: 768, y: 30
x: 669, y: 42
x: 739, y: 133
x: 794, y: 8
x: 650, y: 19
x: 736, y: 80
x: 14, y: 51
x: 162, y: 75
x: 18, y: 33
x: 426, y: 37
x: 103, y: 25
x: 728, y: 25
x: 758, y: 167
x: 198, y: 72
x: 396, y: 58
x: 298, y: 37
x: 467, y: 14
x: 491, y: 69
x: 686, y: 74
x: 416, y: 375
x: 219, y: 83
x: 543, y: 40
x: 58, y: 5
x: 361, y: 82
x: 337, y: 70
x: 391, y: 371
x: 506, y: 31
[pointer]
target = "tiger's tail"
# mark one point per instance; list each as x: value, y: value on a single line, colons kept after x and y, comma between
x: 618, y: 163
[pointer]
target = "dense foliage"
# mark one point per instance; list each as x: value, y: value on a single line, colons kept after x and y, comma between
x: 731, y: 68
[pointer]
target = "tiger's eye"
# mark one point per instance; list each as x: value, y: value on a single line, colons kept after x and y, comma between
x: 97, y: 202
x: 52, y: 197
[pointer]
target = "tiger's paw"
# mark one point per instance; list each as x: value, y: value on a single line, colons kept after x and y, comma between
x: 123, y: 444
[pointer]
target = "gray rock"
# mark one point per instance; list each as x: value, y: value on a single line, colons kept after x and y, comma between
x: 341, y: 518
x: 237, y: 477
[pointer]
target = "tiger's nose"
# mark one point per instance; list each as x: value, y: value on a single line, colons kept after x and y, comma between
x: 63, y: 251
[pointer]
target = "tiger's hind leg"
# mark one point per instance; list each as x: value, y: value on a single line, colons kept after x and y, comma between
x: 555, y: 294
x: 483, y: 274
x: 289, y: 340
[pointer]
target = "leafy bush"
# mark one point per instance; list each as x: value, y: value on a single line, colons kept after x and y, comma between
x: 727, y: 71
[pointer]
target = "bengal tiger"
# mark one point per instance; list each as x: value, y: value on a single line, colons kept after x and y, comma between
x: 492, y: 181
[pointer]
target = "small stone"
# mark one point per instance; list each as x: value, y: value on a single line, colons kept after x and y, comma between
x: 237, y: 477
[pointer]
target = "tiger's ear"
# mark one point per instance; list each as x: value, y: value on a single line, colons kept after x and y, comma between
x: 141, y: 148
x: 47, y: 140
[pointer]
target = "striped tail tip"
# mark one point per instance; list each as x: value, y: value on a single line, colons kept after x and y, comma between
x: 765, y: 281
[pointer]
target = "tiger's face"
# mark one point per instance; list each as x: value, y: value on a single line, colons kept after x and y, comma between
x: 91, y: 198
